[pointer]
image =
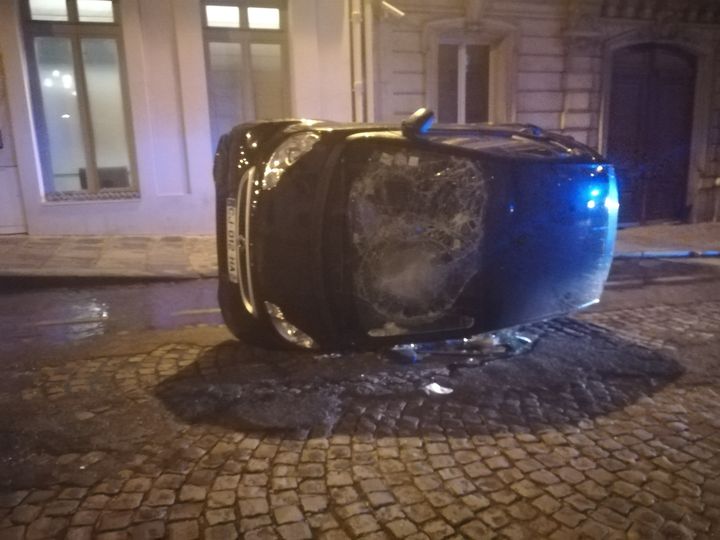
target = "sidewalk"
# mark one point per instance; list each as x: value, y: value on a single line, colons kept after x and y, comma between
x: 187, y: 257
x: 171, y: 257
x: 655, y: 240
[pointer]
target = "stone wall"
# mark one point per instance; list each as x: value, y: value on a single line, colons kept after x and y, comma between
x: 540, y: 72
x: 401, y: 55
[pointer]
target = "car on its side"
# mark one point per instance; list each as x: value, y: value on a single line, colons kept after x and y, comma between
x: 362, y: 236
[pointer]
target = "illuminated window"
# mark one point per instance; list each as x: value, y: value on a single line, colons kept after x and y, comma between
x: 222, y: 16
x: 79, y: 105
x: 246, y: 64
x: 100, y: 11
x: 268, y: 18
x: 49, y: 10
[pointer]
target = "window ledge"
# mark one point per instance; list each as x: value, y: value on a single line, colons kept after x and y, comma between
x: 73, y: 196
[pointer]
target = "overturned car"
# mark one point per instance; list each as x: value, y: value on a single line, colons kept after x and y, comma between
x: 360, y: 236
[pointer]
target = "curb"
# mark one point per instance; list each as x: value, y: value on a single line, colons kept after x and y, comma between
x: 82, y: 275
x: 668, y: 254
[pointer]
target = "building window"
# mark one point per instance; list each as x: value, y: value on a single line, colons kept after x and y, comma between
x: 463, y: 83
x: 246, y: 62
x: 470, y: 69
x: 79, y: 99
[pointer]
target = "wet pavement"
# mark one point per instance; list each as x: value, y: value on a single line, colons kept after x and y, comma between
x: 108, y: 256
x: 152, y: 423
x: 62, y: 311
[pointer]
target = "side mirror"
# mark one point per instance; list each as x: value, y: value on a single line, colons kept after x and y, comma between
x: 418, y: 122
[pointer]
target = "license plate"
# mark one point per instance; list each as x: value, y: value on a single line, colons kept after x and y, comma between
x: 231, y: 234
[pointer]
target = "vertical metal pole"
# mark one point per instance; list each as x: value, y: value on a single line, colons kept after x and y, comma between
x: 461, y: 82
x: 351, y: 29
x: 369, y: 53
x: 363, y: 60
x: 356, y: 51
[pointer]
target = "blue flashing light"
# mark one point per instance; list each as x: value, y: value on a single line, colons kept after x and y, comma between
x: 593, y: 202
x: 425, y: 127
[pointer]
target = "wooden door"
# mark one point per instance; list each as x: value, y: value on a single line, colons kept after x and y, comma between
x: 649, y: 132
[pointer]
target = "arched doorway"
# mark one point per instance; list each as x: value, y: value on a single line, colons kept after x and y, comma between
x: 650, y: 130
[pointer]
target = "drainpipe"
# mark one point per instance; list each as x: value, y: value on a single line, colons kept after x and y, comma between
x: 363, y: 16
x: 358, y: 61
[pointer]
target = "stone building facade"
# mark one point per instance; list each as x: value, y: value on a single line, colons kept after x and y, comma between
x: 637, y: 79
x: 110, y: 110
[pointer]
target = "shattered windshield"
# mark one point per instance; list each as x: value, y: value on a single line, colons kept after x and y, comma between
x: 415, y: 226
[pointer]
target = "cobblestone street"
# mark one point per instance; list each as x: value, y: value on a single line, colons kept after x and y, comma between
x: 608, y: 428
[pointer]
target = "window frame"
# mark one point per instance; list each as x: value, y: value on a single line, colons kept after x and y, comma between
x: 462, y: 59
x: 75, y: 30
x: 246, y: 36
x: 281, y: 5
x: 501, y: 39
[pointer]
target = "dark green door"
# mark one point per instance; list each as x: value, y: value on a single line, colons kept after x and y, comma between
x: 649, y: 132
